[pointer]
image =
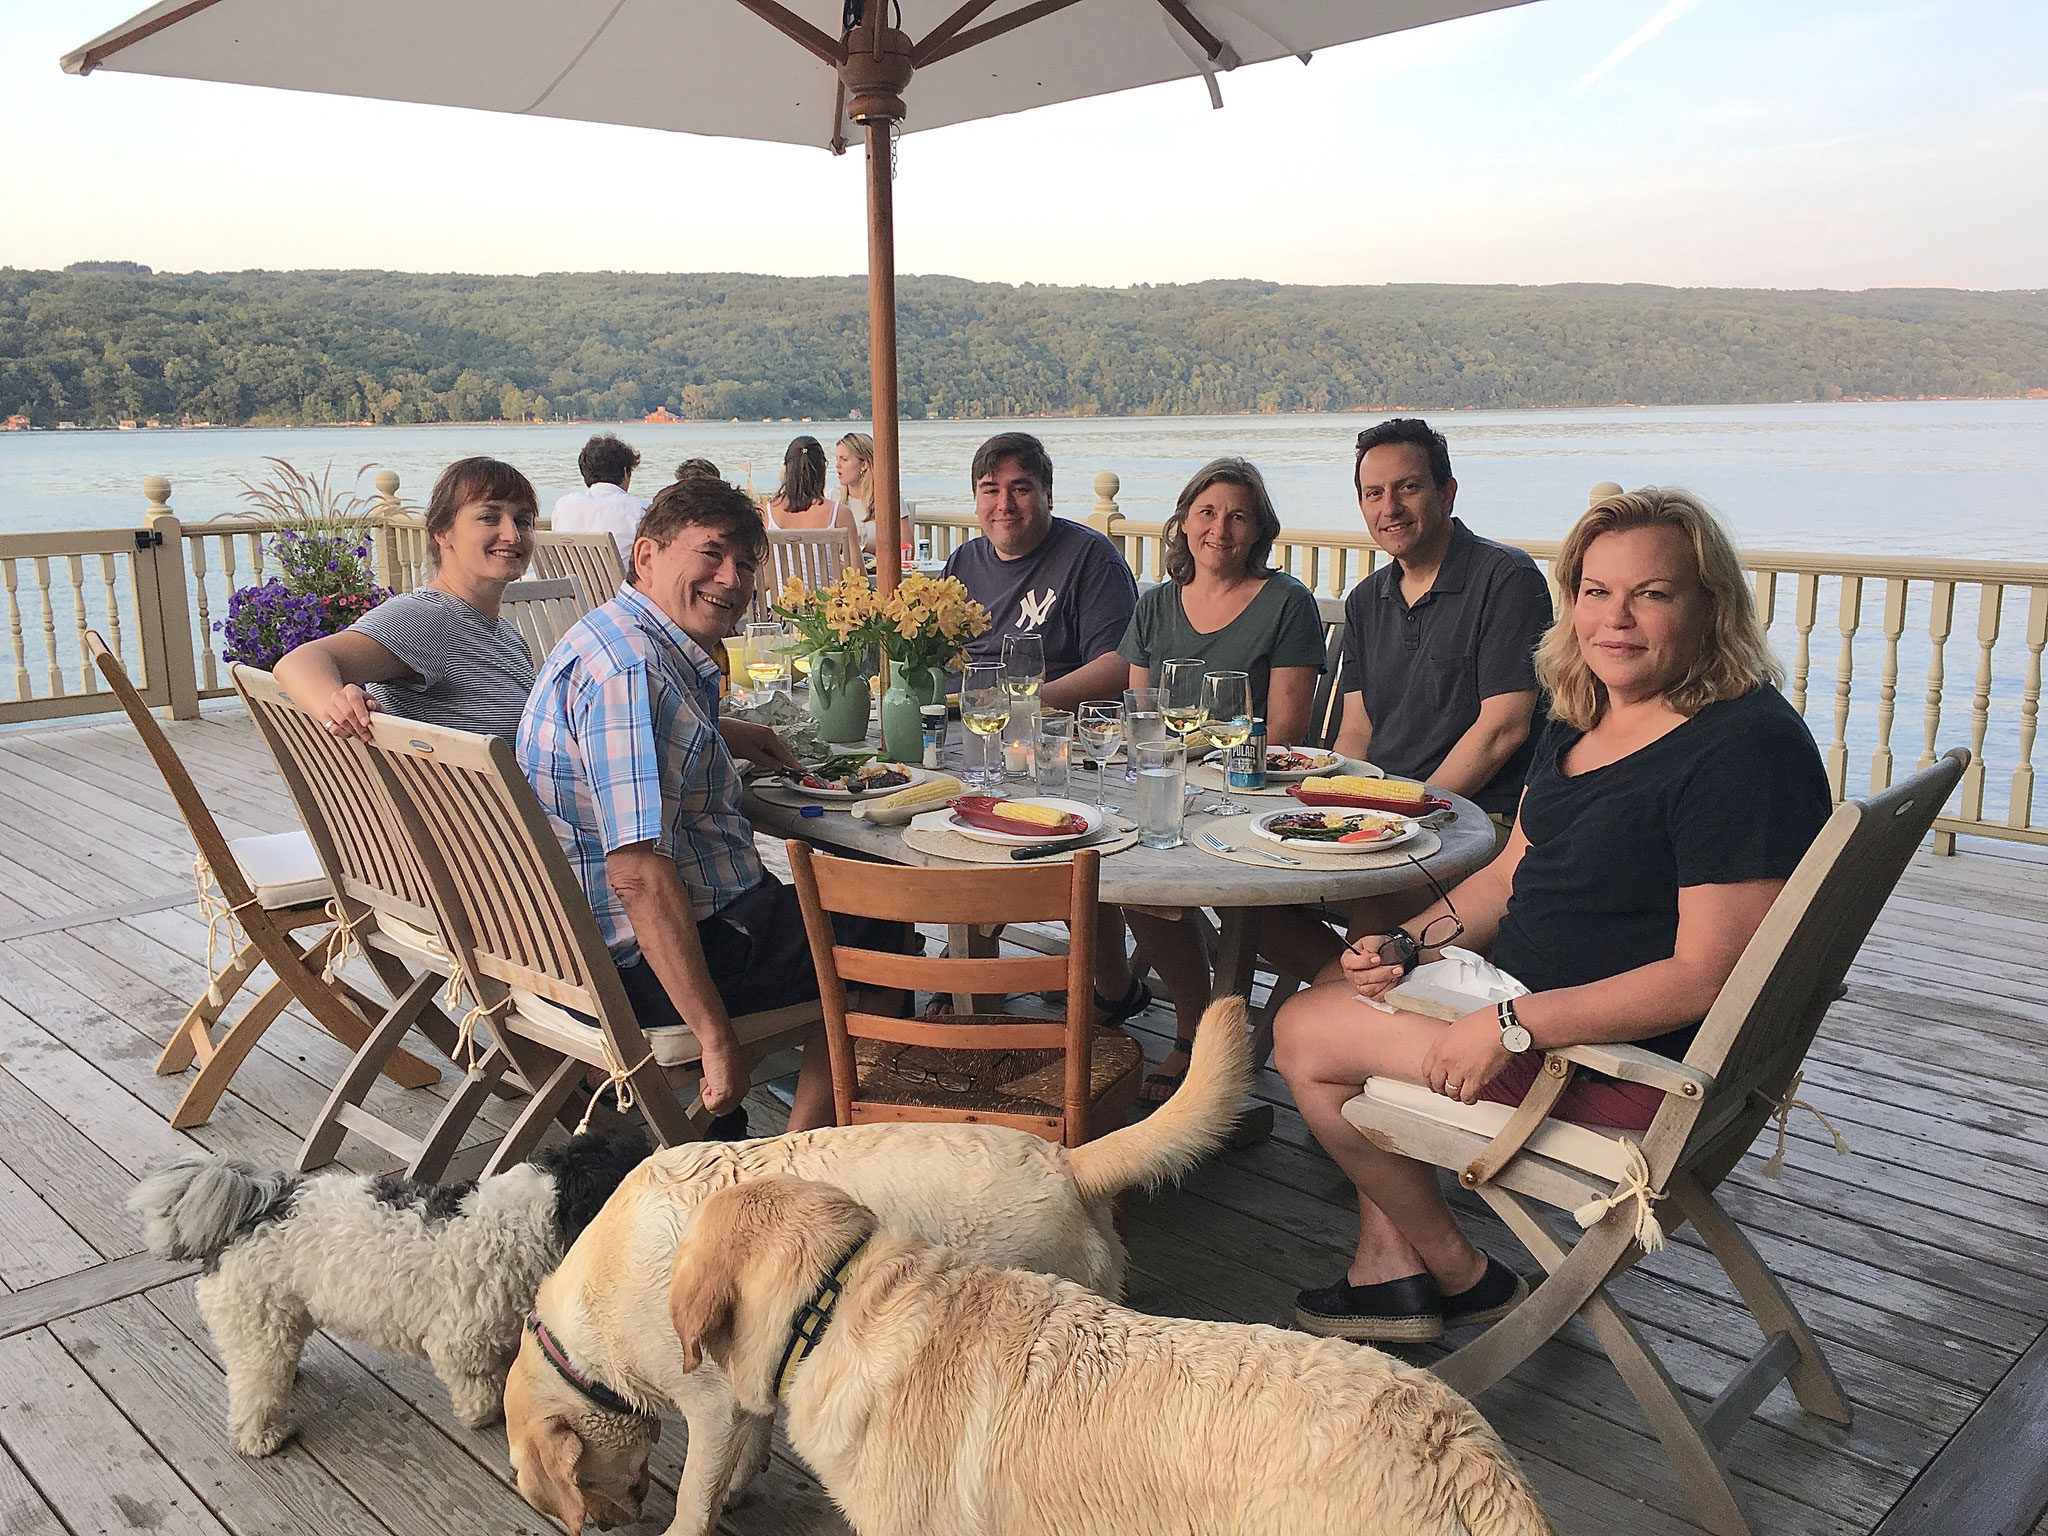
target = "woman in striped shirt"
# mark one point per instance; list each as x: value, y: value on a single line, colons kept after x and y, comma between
x: 440, y: 653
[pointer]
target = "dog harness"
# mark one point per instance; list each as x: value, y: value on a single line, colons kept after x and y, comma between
x: 558, y: 1357
x: 808, y: 1326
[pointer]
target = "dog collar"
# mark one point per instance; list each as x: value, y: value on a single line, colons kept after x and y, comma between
x: 558, y: 1357
x: 808, y: 1326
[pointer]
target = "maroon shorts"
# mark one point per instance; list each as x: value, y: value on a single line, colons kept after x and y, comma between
x: 1601, y: 1101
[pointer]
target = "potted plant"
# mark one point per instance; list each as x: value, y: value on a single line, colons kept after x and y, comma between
x: 926, y: 622
x: 322, y: 547
x: 835, y: 626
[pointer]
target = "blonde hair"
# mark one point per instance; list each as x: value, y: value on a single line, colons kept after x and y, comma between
x: 863, y: 448
x: 1735, y: 655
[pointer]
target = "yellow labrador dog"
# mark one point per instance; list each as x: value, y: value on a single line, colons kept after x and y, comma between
x: 937, y: 1397
x: 599, y: 1359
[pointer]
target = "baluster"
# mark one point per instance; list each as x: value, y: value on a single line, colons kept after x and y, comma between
x: 14, y: 630
x: 2021, y: 811
x: 196, y: 548
x: 255, y: 558
x: 1941, y: 616
x: 107, y: 573
x: 1804, y: 613
x: 88, y: 674
x: 1766, y: 598
x: 1888, y: 683
x: 1990, y: 600
x: 1838, y: 749
x: 52, y: 673
x: 1313, y: 581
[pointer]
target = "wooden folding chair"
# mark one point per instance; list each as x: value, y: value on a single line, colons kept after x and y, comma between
x: 528, y: 945
x: 542, y: 612
x: 270, y: 888
x: 1742, y: 1072
x: 1063, y: 1079
x: 386, y: 916
x: 590, y: 559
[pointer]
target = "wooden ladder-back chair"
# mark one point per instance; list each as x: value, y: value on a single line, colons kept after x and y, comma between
x: 387, y: 915
x: 1741, y: 1073
x: 1326, y: 713
x: 271, y: 888
x: 527, y: 942
x: 543, y: 611
x: 590, y: 559
x: 1064, y: 1079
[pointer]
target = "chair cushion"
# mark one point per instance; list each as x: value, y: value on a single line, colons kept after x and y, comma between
x: 1588, y: 1147
x: 1002, y: 1082
x: 282, y: 869
x: 674, y: 1045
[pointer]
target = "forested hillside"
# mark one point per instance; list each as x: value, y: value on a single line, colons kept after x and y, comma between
x: 106, y: 341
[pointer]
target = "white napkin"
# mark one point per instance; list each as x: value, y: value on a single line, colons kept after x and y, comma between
x: 1461, y: 979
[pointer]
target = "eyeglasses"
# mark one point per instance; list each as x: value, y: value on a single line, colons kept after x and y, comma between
x: 1436, y: 933
x: 941, y: 1078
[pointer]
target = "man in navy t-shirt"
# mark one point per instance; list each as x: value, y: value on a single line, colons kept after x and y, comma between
x: 1036, y: 572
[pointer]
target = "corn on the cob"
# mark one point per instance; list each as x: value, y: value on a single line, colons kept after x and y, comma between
x: 1038, y: 815
x: 1356, y: 784
x: 887, y: 810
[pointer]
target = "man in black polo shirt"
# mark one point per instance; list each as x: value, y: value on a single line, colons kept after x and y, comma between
x: 1439, y: 682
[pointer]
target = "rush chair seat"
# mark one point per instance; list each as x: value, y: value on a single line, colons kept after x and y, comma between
x: 385, y: 915
x: 1063, y: 1079
x: 268, y: 887
x: 527, y: 944
x: 1741, y: 1073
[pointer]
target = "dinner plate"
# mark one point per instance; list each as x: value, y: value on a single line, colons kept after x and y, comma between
x: 1326, y: 763
x: 1080, y: 808
x: 1263, y: 827
x: 917, y: 776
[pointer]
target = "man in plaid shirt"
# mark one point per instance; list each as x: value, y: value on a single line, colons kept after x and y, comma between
x: 623, y: 744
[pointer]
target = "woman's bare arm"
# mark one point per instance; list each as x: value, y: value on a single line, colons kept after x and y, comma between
x: 325, y: 678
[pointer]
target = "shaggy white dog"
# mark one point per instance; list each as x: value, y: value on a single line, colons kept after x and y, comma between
x: 446, y: 1271
x: 602, y: 1322
x: 935, y: 1397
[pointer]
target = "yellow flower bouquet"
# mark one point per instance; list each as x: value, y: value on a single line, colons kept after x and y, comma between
x: 835, y: 625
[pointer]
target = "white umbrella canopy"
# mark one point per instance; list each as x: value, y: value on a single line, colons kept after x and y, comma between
x: 806, y: 72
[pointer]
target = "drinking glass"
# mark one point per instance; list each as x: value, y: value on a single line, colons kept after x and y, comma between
x: 1023, y: 664
x: 767, y: 662
x: 1055, y: 750
x: 985, y: 710
x: 1142, y: 722
x: 1162, y: 791
x: 1099, y: 731
x: 1180, y: 695
x: 1227, y: 706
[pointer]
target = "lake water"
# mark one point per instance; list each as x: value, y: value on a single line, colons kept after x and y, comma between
x: 1931, y: 477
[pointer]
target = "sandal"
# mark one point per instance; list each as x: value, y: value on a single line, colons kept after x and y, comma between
x: 1162, y: 1085
x: 1129, y: 1006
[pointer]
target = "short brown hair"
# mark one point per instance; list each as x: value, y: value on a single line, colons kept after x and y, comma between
x: 1735, y: 655
x: 699, y: 499
x: 1173, y: 539
x: 1027, y: 450
x: 468, y: 480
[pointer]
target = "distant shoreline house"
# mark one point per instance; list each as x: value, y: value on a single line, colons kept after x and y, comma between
x: 17, y: 423
x: 661, y: 415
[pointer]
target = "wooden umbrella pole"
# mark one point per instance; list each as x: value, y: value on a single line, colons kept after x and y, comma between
x: 885, y: 487
x: 876, y: 70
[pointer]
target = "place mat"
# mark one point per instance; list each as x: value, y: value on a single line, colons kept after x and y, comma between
x: 1237, y: 831
x: 1209, y: 776
x: 930, y: 834
x: 782, y: 794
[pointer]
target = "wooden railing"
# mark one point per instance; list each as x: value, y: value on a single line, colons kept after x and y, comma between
x: 156, y: 591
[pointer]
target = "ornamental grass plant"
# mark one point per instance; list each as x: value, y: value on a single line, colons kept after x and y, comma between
x: 323, y: 547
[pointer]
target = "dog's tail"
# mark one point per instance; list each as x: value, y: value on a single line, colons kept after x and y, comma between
x: 1487, y: 1489
x: 196, y: 1207
x: 1188, y: 1126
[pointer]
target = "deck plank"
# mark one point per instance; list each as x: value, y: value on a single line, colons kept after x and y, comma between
x: 40, y: 1244
x: 22, y: 1510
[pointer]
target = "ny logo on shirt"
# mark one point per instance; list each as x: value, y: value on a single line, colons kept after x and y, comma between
x: 1032, y: 609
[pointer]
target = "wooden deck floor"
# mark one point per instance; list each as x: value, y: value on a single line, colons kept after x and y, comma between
x: 1920, y: 1259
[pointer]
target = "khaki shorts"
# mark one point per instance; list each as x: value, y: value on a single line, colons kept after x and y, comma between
x: 1503, y: 829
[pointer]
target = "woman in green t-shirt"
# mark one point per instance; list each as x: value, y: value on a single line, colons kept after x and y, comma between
x: 1226, y: 606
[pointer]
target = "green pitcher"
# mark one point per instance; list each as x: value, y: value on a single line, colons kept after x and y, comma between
x: 840, y: 696
x: 910, y: 689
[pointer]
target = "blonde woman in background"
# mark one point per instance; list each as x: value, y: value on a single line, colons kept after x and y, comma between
x: 854, y: 459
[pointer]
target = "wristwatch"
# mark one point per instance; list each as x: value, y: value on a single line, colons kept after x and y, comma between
x: 1514, y: 1036
x: 1408, y: 953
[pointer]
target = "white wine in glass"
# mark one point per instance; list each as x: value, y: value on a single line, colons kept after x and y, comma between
x: 1227, y: 706
x: 1099, y: 731
x: 766, y: 663
x: 1181, y: 696
x: 985, y: 711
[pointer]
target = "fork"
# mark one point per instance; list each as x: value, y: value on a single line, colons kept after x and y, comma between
x: 1211, y: 840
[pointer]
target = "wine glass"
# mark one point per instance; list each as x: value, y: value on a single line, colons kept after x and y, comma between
x: 1023, y: 664
x: 1099, y: 729
x: 766, y: 661
x: 985, y: 710
x: 1227, y: 706
x: 1180, y: 696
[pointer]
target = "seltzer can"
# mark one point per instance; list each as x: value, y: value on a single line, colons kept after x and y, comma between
x: 1246, y: 768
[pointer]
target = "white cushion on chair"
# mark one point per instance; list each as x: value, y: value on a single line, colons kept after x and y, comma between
x: 673, y: 1045
x: 1588, y: 1147
x: 282, y: 869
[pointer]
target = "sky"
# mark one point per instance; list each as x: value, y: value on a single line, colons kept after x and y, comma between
x: 1742, y: 143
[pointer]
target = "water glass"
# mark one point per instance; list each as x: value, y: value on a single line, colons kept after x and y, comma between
x: 1055, y: 750
x: 985, y: 711
x: 1162, y: 771
x: 1144, y: 720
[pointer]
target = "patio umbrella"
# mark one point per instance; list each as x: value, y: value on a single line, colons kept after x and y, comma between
x: 806, y: 72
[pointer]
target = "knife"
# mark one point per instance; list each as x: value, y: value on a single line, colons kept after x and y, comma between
x: 1107, y: 833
